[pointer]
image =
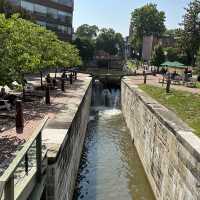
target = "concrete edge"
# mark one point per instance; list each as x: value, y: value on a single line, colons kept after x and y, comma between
x: 53, y: 159
x: 184, y: 134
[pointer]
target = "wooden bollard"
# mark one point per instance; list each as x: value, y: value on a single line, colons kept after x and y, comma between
x: 71, y: 78
x: 145, y: 77
x: 63, y: 84
x: 19, y: 120
x: 47, y: 95
x: 168, y: 85
x: 75, y: 75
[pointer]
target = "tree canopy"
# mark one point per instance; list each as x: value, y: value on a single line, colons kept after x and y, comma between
x: 110, y: 41
x: 189, y: 35
x: 158, y: 56
x: 86, y: 31
x: 28, y: 47
x: 146, y: 21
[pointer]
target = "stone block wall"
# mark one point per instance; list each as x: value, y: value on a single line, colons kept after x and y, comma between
x: 169, y: 151
x: 63, y: 166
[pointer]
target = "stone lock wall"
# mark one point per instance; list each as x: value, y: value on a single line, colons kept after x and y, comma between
x: 169, y: 151
x: 63, y: 166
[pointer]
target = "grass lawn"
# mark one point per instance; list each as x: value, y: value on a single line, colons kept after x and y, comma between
x: 186, y: 105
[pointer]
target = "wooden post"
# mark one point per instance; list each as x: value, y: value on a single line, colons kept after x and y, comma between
x: 9, y: 188
x: 145, y: 77
x: 168, y: 85
x: 26, y: 163
x: 39, y: 156
x: 63, y: 84
x: 19, y: 119
x: 47, y: 95
x: 71, y: 78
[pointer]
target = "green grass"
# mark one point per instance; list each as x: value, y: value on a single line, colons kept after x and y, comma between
x: 198, y: 84
x: 186, y: 105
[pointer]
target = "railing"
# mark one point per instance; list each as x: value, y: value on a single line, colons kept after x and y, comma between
x: 7, y: 185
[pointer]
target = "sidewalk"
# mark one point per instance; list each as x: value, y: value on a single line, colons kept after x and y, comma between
x: 34, y: 112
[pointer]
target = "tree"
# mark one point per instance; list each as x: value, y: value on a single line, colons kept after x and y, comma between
x: 146, y: 21
x: 86, y: 48
x: 86, y: 31
x: 198, y: 64
x: 28, y: 47
x: 158, y: 56
x: 110, y: 41
x: 189, y: 36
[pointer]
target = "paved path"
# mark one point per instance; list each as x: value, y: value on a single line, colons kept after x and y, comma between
x: 34, y: 112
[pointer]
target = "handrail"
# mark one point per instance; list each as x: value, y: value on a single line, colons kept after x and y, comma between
x: 7, y: 176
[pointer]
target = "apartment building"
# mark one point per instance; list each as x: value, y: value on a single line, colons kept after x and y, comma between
x: 56, y: 15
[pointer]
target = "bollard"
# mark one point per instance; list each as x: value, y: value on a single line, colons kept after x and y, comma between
x: 168, y: 85
x: 145, y: 77
x: 71, y: 78
x: 75, y: 75
x: 54, y: 82
x: 19, y: 117
x: 63, y: 84
x: 47, y: 95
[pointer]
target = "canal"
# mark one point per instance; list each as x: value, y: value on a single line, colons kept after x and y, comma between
x: 110, y: 168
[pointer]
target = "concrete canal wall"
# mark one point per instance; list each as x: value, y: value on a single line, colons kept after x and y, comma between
x: 64, y: 137
x: 169, y: 151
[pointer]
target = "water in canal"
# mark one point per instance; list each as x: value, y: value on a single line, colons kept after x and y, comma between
x: 110, y: 168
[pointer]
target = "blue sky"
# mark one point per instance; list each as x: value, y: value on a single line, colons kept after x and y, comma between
x: 116, y: 13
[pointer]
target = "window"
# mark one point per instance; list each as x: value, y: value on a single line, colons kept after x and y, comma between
x: 40, y: 9
x: 27, y: 5
x: 52, y: 12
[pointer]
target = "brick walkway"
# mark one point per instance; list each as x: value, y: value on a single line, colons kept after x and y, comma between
x: 34, y: 112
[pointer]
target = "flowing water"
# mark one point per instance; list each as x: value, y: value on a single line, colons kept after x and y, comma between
x: 110, y: 168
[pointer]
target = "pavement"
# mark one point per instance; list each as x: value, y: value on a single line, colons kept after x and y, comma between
x: 11, y: 141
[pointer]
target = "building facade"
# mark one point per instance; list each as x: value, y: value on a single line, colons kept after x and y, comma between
x: 55, y: 15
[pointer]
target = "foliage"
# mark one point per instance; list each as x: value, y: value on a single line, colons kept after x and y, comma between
x: 158, y: 56
x: 86, y: 31
x: 28, y: 47
x: 146, y: 21
x: 110, y: 41
x: 189, y: 36
x: 198, y: 63
x: 180, y: 103
x: 86, y: 48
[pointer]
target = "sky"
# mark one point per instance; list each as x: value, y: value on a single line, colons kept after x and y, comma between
x: 116, y: 13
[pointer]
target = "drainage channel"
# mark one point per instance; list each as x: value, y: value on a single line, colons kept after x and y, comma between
x: 110, y: 167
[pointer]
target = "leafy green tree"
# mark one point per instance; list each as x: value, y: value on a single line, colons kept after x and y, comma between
x: 146, y: 21
x: 86, y: 31
x: 28, y: 47
x: 189, y: 36
x: 110, y: 41
x: 86, y: 48
x: 198, y: 64
x: 158, y: 56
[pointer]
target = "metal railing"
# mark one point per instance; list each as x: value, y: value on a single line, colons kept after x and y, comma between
x: 7, y: 186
